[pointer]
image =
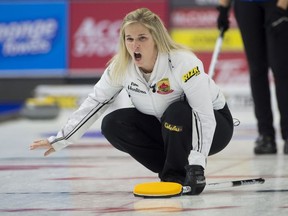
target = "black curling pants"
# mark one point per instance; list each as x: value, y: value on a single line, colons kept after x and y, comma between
x: 265, y: 47
x: 162, y: 147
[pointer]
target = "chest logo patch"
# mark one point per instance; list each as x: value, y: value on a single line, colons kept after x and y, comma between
x: 163, y: 86
x: 194, y: 72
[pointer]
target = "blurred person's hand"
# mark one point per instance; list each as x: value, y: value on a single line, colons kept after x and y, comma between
x: 278, y: 20
x: 223, y: 18
x: 42, y: 144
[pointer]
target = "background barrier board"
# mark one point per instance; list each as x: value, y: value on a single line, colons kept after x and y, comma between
x: 94, y: 31
x: 33, y: 38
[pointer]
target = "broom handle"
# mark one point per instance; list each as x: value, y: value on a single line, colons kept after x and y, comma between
x: 187, y: 189
x: 215, y: 55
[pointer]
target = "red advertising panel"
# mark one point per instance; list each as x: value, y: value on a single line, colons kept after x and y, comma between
x: 198, y: 17
x: 196, y: 27
x: 231, y: 67
x: 94, y: 28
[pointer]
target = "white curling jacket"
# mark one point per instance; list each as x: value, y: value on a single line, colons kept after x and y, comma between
x: 174, y: 75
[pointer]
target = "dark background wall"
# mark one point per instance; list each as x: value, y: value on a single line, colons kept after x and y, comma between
x: 18, y: 89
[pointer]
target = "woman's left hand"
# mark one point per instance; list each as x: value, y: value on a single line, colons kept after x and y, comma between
x: 42, y: 144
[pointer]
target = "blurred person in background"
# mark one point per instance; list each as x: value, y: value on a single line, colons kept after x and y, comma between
x: 180, y: 115
x: 264, y: 28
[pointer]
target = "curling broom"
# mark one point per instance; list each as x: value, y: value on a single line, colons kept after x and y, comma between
x: 171, y: 189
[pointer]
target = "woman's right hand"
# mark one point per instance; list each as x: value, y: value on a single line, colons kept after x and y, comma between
x: 42, y: 144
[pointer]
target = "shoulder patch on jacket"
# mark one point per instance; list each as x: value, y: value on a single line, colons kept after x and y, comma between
x: 194, y: 72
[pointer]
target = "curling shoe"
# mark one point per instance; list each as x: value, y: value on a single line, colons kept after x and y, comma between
x: 195, y: 179
x: 286, y: 146
x: 265, y: 145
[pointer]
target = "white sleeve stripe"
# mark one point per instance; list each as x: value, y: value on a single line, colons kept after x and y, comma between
x: 84, y: 120
x: 79, y: 125
x: 199, y: 132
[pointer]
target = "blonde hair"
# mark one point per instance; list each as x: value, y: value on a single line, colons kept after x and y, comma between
x: 160, y: 35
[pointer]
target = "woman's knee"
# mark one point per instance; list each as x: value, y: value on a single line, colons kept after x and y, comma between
x: 223, y: 132
x: 120, y: 122
x: 109, y: 123
x: 177, y: 112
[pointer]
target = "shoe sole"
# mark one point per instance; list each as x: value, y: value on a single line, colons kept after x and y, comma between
x: 264, y: 152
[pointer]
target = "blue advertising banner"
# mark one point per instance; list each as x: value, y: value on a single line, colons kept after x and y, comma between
x: 33, y: 38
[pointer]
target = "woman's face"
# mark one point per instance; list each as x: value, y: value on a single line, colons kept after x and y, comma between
x: 141, y: 46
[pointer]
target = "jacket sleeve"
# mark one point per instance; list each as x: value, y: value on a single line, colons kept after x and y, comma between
x: 197, y: 88
x: 89, y: 111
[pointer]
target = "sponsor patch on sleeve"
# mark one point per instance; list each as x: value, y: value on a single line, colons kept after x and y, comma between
x: 193, y: 72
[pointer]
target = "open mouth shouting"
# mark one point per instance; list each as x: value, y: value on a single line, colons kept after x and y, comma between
x: 137, y: 56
